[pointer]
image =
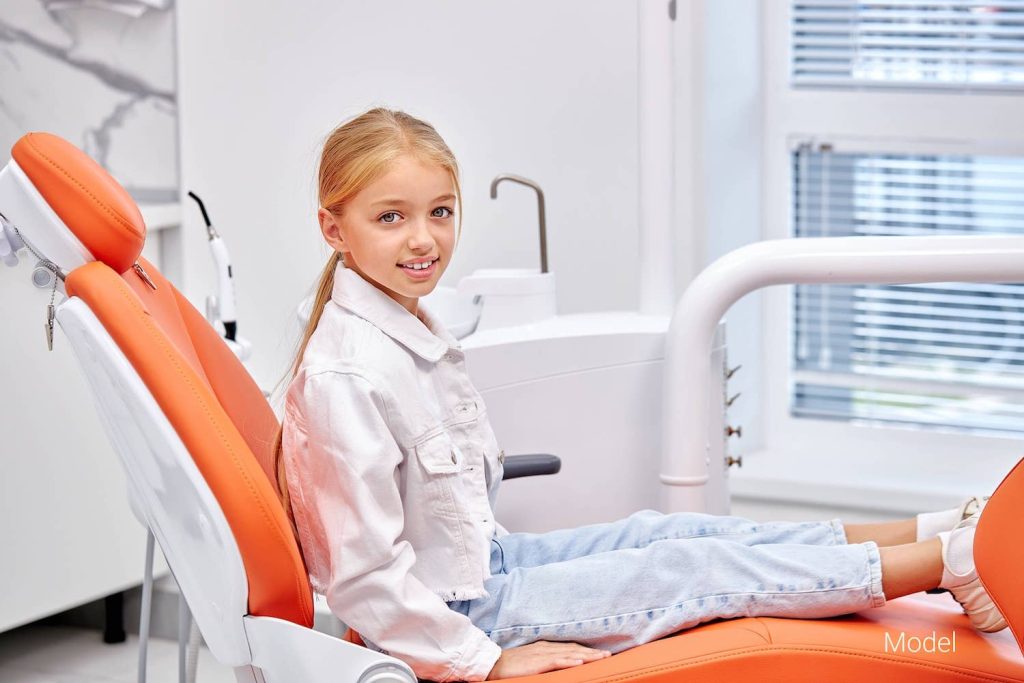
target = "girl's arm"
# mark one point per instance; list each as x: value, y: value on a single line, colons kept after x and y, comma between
x: 343, y: 480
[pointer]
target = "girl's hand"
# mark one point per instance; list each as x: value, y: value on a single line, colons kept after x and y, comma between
x: 542, y: 656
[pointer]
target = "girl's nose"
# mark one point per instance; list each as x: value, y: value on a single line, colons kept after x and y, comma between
x: 420, y: 238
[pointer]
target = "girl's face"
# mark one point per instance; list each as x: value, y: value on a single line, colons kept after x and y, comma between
x: 403, y: 219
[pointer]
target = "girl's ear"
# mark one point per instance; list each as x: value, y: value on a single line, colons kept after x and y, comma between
x: 331, y: 230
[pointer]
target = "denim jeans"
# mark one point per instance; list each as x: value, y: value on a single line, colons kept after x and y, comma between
x: 621, y: 584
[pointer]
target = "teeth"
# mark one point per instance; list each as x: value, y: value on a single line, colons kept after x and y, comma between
x: 419, y: 266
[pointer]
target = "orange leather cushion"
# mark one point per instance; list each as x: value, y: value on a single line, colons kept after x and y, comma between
x: 235, y: 388
x: 148, y: 326
x: 998, y: 551
x: 847, y: 649
x: 93, y: 205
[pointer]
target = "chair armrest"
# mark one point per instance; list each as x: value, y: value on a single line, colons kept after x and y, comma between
x: 287, y: 652
x: 531, y: 464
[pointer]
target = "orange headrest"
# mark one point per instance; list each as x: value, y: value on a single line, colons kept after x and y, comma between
x: 998, y: 552
x: 94, y: 206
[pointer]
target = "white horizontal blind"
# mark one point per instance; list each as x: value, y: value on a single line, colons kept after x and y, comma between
x: 958, y: 43
x: 948, y: 355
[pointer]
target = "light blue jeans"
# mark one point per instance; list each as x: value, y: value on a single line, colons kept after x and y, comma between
x: 617, y: 585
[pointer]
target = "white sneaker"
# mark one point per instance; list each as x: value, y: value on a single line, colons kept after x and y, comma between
x: 931, y: 524
x: 971, y: 506
x: 961, y: 578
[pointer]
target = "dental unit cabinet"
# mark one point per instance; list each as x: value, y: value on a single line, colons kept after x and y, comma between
x: 585, y: 386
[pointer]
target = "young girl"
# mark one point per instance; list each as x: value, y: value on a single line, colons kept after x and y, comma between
x: 391, y: 470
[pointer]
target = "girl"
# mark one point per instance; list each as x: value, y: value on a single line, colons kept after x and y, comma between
x: 391, y: 471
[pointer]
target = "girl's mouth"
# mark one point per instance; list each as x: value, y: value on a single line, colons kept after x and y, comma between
x: 420, y: 271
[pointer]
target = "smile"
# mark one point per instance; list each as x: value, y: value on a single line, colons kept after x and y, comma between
x: 420, y: 270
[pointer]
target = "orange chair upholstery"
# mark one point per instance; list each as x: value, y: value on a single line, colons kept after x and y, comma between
x: 149, y: 325
x: 997, y: 552
x: 83, y: 194
x: 215, y: 406
x: 223, y: 419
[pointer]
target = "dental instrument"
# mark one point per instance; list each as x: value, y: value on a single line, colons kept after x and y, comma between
x: 221, y: 306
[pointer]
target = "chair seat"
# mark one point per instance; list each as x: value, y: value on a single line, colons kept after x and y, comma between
x: 852, y: 648
x: 847, y: 648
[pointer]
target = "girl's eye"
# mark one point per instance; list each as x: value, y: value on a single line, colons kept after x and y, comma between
x: 389, y: 213
x: 443, y: 208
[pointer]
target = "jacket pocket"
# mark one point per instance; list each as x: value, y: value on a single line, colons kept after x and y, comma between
x: 440, y: 455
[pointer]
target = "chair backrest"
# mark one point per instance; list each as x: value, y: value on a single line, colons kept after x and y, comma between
x: 998, y: 553
x: 206, y: 395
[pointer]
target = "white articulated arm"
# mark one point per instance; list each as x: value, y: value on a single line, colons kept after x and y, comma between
x: 826, y: 260
x: 287, y: 652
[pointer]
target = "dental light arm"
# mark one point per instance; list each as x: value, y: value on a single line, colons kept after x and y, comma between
x: 826, y: 260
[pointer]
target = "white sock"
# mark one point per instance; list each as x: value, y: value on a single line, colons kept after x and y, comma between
x: 957, y: 557
x: 929, y: 524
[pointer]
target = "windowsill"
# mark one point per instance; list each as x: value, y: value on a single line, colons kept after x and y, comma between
x: 851, y: 484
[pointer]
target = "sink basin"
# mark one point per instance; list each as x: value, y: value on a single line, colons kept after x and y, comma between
x: 456, y: 311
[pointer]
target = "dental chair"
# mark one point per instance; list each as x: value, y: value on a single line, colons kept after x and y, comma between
x: 194, y: 434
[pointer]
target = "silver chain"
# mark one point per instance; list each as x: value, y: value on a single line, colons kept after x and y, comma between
x: 57, y: 275
x: 47, y: 263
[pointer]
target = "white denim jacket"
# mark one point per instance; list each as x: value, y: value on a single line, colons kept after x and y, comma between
x: 393, y: 472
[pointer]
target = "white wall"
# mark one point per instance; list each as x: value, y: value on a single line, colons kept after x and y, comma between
x: 545, y: 90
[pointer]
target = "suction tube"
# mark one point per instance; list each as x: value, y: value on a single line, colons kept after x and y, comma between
x: 225, y: 281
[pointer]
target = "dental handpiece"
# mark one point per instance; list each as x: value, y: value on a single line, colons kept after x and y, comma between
x: 225, y: 280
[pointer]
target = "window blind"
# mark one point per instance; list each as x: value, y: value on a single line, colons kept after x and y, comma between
x: 940, y: 355
x: 945, y: 43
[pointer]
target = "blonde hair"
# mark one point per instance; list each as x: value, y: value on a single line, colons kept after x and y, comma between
x: 356, y: 154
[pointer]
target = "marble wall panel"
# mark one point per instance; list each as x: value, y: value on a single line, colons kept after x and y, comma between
x: 100, y: 73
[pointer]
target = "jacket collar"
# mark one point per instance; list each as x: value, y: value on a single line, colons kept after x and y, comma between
x: 357, y: 295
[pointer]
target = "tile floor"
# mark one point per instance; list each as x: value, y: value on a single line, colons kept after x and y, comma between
x: 66, y: 654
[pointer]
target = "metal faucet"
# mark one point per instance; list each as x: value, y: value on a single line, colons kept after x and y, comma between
x: 540, y: 206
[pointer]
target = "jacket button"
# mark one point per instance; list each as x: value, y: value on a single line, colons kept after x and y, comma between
x: 454, y: 459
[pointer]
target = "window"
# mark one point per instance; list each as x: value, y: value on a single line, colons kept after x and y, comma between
x: 878, y: 396
x: 958, y: 43
x: 932, y: 354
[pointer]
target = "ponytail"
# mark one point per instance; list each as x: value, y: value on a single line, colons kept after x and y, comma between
x: 323, y: 293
